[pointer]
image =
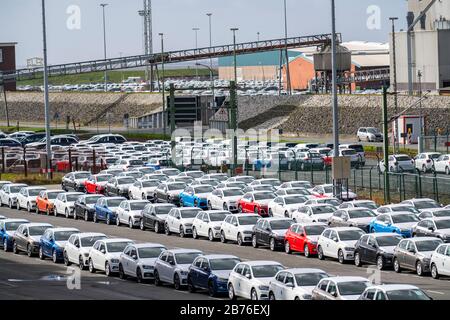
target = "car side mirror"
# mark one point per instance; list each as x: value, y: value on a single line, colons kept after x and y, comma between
x: 248, y: 275
x: 103, y: 251
x: 431, y: 229
x: 335, y: 239
x: 334, y: 294
x: 290, y: 285
x: 302, y: 235
x: 412, y: 250
x: 134, y: 257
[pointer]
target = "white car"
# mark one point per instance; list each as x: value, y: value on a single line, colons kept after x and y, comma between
x: 339, y: 243
x: 422, y: 204
x: 271, y: 181
x: 27, y: 198
x: 179, y: 220
x: 340, y: 288
x: 284, y: 206
x: 397, y: 163
x: 295, y: 284
x: 225, y: 199
x: 77, y: 248
x: 104, y: 255
x: 196, y: 175
x: 369, y: 134
x: 335, y: 202
x: 127, y: 164
x: 65, y: 203
x: 425, y: 161
x: 442, y: 164
x: 208, y: 224
x: 313, y: 213
x: 297, y: 184
x: 172, y: 266
x: 9, y: 193
x: 216, y: 176
x: 251, y: 279
x: 440, y: 261
x: 143, y: 190
x: 326, y: 190
x: 390, y: 208
x: 138, y: 261
x: 238, y: 228
x: 243, y: 179
x: 170, y: 172
x: 130, y: 212
x: 368, y: 204
x: 394, y: 292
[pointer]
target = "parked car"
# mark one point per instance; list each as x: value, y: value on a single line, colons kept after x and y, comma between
x: 284, y: 206
x: 196, y: 196
x: 169, y: 192
x: 303, y: 238
x: 397, y: 208
x: 7, y: 229
x: 425, y: 161
x: 266, y: 181
x: 225, y: 199
x: 129, y: 212
x: 238, y: 228
x: 75, y: 181
x: 259, y: 187
x: 96, y: 183
x: 27, y: 198
x: 422, y: 204
x: 335, y: 202
x: 339, y: 243
x: 297, y: 184
x: 119, y: 186
x: 85, y: 207
x: 256, y: 202
x: 434, y: 213
x: 45, y: 201
x: 106, y: 208
x: 326, y: 191
x: 270, y: 232
x: 154, y: 216
x: 172, y: 267
x: 9, y: 193
x: 401, y: 223
x: 376, y: 249
x: 211, y: 273
x: 26, y: 238
x: 352, y: 217
x: 53, y: 241
x: 314, y: 213
x: 415, y: 254
x: 307, y: 161
x: 64, y: 203
x: 251, y: 279
x: 295, y: 284
x: 340, y: 288
x: 208, y: 224
x: 403, y: 292
x: 9, y: 142
x: 433, y: 227
x: 193, y: 174
x: 368, y: 204
x: 369, y: 134
x: 442, y: 164
x: 105, y: 253
x: 397, y: 163
x: 440, y: 261
x: 78, y: 247
x: 179, y: 220
x: 143, y: 190
x: 138, y: 261
x: 293, y: 191
x: 242, y: 179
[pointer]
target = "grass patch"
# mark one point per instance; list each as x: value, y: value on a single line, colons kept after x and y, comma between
x: 32, y: 179
x: 373, y: 150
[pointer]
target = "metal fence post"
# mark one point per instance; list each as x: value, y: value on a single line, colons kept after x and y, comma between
x: 94, y: 160
x: 3, y: 160
x: 370, y: 182
x: 70, y: 159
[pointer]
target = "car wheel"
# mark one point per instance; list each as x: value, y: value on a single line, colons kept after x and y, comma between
x: 108, y: 219
x: 91, y: 266
x: 306, y: 251
x: 86, y: 215
x: 191, y: 287
x: 10, y: 205
x: 28, y: 207
x: 194, y: 233
x: 121, y: 272
x: 210, y: 235
x: 287, y: 247
x: 222, y: 237
x: 397, y: 267
x: 81, y: 263
x: 302, y: 167
x: 66, y: 260
x: 47, y: 211
x: 157, y: 227
x: 54, y: 257
x: 286, y: 214
x: 15, y: 249
x: 108, y: 270
x: 195, y: 204
x: 272, y: 244
x: 271, y: 296
x: 177, y: 282
x: 5, y: 245
x: 55, y: 212
x: 380, y: 263
x: 447, y: 171
x: 320, y: 253
x: 157, y: 280
x: 142, y: 225
x: 29, y: 251
x: 434, y: 271
x: 231, y: 294
x: 254, y: 242
x: 357, y: 259
x: 130, y: 224
x: 239, y: 209
x: 255, y: 210
x: 41, y: 254
x: 240, y: 241
x: 211, y: 289
x: 341, y: 257
x: 424, y: 169
x: 253, y: 294
x: 419, y: 269
x: 75, y: 217
x: 181, y: 234
x: 166, y: 229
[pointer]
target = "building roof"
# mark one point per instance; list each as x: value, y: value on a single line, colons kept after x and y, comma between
x: 8, y: 44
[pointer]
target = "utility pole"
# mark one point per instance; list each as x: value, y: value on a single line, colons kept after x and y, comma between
x: 146, y: 13
x: 234, y: 54
x: 334, y: 89
x: 394, y: 70
x: 163, y: 86
x: 196, y: 49
x: 172, y: 115
x: 233, y: 123
x: 387, y: 195
x: 210, y: 62
x: 288, y: 74
x: 103, y: 5
x: 422, y: 122
x: 46, y: 99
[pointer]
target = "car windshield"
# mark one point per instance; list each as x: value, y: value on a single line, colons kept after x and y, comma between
x: 138, y: 205
x: 204, y: 189
x: 53, y: 195
x: 163, y: 209
x: 443, y: 224
x: 352, y: 288
x: 388, y: 241
x: 305, y: 184
x: 116, y: 246
x: 135, y: 175
x: 274, y: 183
x: 263, y: 188
x: 189, y: 213
x: 63, y: 235
x: 328, y: 189
x: 348, y: 152
x: 295, y: 199
x: 126, y: 180
x: 426, y: 205
x: 373, y: 130
x: 247, y: 221
x: 112, y: 203
x: 232, y: 193
x: 442, y: 213
x: 150, y: 183
x: 236, y: 185
x: 136, y: 163
x: 408, y: 294
x: 215, y: 217
x: 349, y: 235
x: 268, y: 271
x: 92, y: 200
x: 280, y: 224
x: 87, y: 242
x: 176, y: 186
x: 354, y: 214
x: 314, y: 230
x: 298, y: 191
x: 264, y: 196
x: 245, y: 179
x: 103, y: 178
x: 82, y: 175
x: 186, y: 258
x: 12, y: 226
x: 34, y: 192
x: 367, y: 205
x: 72, y: 197
x: 428, y: 245
x: 151, y: 252
x: 309, y: 279
x: 404, y: 218
x: 323, y: 209
x: 405, y: 208
x: 15, y: 189
x: 223, y: 264
x: 37, y: 230
x: 171, y: 172
x: 333, y: 202
x: 195, y: 175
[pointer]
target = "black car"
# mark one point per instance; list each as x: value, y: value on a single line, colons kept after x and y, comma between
x: 8, y: 142
x: 270, y: 232
x: 75, y: 181
x: 169, y: 192
x: 32, y: 138
x: 154, y: 216
x: 118, y: 186
x: 84, y: 206
x: 376, y: 249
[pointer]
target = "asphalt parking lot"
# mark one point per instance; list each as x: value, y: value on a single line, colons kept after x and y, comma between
x: 30, y: 278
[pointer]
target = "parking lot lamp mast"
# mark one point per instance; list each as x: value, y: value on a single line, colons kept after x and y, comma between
x: 163, y: 81
x: 210, y: 61
x: 103, y: 5
x: 46, y: 100
x: 196, y: 50
x: 334, y: 88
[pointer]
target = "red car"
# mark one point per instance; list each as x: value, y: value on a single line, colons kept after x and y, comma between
x: 96, y: 183
x: 303, y: 237
x: 256, y: 202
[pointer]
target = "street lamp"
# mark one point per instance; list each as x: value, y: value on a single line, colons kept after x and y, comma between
x: 103, y: 5
x: 234, y: 53
x: 210, y: 59
x: 288, y: 74
x: 394, y: 71
x: 257, y: 35
x: 196, y: 48
x: 163, y: 81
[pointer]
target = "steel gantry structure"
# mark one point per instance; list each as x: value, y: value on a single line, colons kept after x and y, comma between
x: 170, y: 57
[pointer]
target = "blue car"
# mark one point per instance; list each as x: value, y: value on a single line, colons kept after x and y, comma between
x: 105, y: 209
x: 196, y: 196
x: 211, y: 272
x: 53, y: 241
x: 398, y: 222
x: 7, y: 228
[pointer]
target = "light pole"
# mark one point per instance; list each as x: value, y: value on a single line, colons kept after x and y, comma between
x: 257, y: 35
x: 196, y: 48
x: 234, y: 53
x: 46, y: 100
x: 103, y: 5
x: 288, y: 74
x: 394, y: 71
x: 210, y: 59
x: 334, y: 88
x: 163, y: 81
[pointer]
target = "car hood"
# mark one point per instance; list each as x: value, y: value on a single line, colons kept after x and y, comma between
x: 263, y: 281
x: 102, y: 183
x: 35, y: 238
x: 388, y: 249
x: 125, y: 186
x: 443, y: 231
x: 313, y: 238
x: 187, y: 220
x: 135, y: 212
x: 147, y: 189
x: 183, y: 267
x: 263, y: 202
x: 174, y: 192
x: 10, y: 233
x: 148, y: 261
x: 425, y: 254
x: 202, y: 195
x: 280, y: 233
x: 61, y: 244
x: 80, y: 181
x: 406, y: 225
x: 224, y: 274
x: 303, y: 290
x: 162, y: 216
x: 113, y: 255
x: 349, y: 243
x: 232, y: 199
x: 246, y: 228
x: 216, y: 223
x: 352, y: 297
x: 361, y: 220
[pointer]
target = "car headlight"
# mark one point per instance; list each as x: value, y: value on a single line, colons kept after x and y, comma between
x: 184, y: 273
x: 137, y: 216
x: 148, y: 267
x: 263, y: 288
x: 114, y: 260
x: 222, y: 280
x: 349, y: 249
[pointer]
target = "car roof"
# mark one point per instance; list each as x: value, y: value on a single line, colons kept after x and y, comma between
x: 310, y: 224
x: 304, y: 270
x: 383, y: 234
x: 64, y: 229
x: 175, y: 251
x: 240, y: 215
x: 418, y: 239
x: 340, y: 279
x: 438, y: 218
x: 392, y: 287
x: 15, y: 220
x: 38, y: 224
x: 261, y: 263
x: 112, y: 240
x: 345, y: 228
x: 148, y: 245
x: 90, y: 234
x: 219, y: 256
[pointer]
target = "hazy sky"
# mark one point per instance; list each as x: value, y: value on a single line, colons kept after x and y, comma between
x: 21, y: 22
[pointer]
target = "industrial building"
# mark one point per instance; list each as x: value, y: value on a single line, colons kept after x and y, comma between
x: 8, y: 62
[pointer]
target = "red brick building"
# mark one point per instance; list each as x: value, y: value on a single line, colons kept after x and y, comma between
x: 8, y: 62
